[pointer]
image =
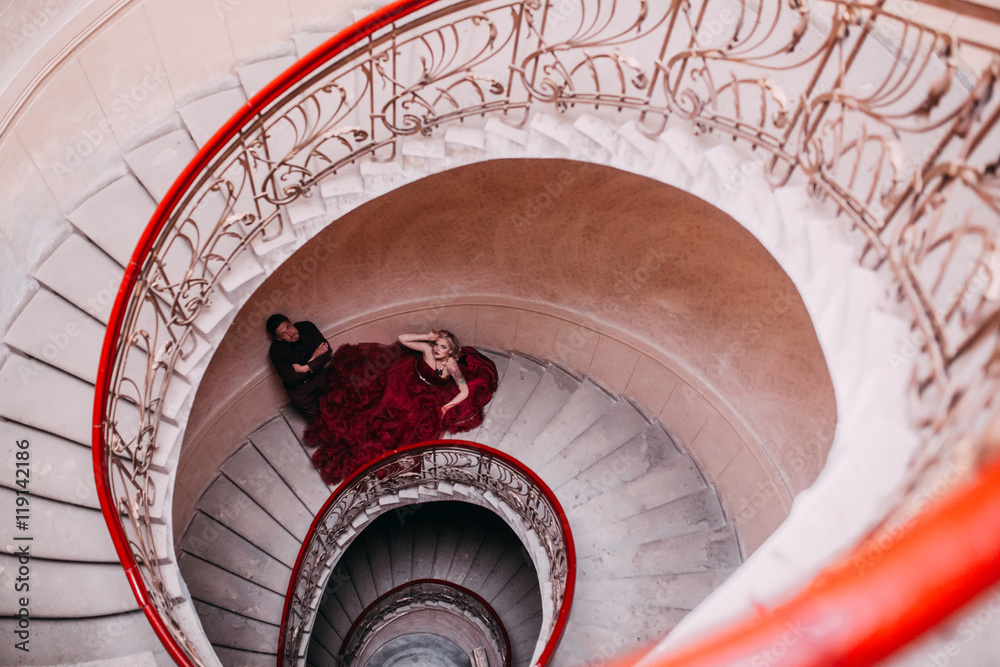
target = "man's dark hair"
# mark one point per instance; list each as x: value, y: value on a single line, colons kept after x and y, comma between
x: 274, y: 322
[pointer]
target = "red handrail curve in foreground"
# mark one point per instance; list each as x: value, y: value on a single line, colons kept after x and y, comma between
x: 563, y: 614
x: 853, y: 614
x: 338, y: 43
x: 416, y: 582
x: 942, y: 561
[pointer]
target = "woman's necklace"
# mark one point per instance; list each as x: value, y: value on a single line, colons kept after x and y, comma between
x: 439, y: 371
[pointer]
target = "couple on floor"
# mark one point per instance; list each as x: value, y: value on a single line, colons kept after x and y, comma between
x: 372, y: 398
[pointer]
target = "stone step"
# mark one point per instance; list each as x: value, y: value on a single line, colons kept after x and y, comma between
x: 221, y: 588
x: 231, y: 657
x: 701, y: 550
x: 54, y: 331
x: 377, y: 547
x: 643, y: 453
x: 587, y: 404
x: 444, y: 551
x: 697, y: 511
x: 468, y: 546
x: 485, y: 561
x: 255, y: 76
x: 204, y: 116
x: 58, y: 333
x: 521, y: 376
x: 681, y: 590
x: 158, y: 163
x: 689, y: 149
x: 612, y: 430
x: 355, y: 560
x: 425, y: 542
x: 336, y: 619
x: 227, y: 504
x: 588, y: 646
x: 279, y: 444
x: 526, y: 615
x: 539, y: 408
x: 58, y: 531
x: 115, y: 217
x: 26, y: 384
x: 248, y: 469
x: 83, y: 274
x: 227, y: 629
x: 675, y: 479
x: 125, y: 638
x: 60, y: 469
x: 98, y: 588
x: 401, y: 553
x: 346, y: 596
x: 639, y: 618
x: 324, y: 645
x: 211, y: 541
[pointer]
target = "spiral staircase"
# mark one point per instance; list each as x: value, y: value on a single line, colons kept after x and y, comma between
x: 645, y: 524
x: 84, y: 196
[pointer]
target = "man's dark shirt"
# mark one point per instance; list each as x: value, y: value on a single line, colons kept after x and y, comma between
x: 283, y: 355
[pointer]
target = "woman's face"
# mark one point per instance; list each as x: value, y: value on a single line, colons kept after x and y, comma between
x: 440, y: 348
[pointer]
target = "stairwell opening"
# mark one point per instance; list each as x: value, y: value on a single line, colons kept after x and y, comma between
x: 437, y: 543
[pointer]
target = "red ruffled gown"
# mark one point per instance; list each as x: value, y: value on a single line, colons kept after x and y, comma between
x: 386, y: 396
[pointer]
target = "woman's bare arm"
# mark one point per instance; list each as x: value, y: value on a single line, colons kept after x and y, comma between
x: 421, y: 343
x: 463, y: 386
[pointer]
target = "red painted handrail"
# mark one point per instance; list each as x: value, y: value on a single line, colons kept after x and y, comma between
x: 942, y: 561
x: 169, y: 204
x: 561, y: 618
x: 857, y: 612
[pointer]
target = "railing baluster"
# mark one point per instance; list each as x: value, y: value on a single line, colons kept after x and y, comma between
x: 715, y: 88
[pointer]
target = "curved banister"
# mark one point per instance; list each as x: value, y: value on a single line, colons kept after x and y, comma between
x: 852, y: 614
x: 465, y: 592
x: 371, y: 472
x: 171, y: 202
x: 891, y: 218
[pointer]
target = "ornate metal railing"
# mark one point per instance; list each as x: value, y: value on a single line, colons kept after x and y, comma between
x: 420, y: 595
x: 894, y: 121
x: 495, y: 477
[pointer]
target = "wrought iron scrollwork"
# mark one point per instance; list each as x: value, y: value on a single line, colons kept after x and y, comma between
x: 893, y: 121
x: 421, y: 595
x: 505, y: 483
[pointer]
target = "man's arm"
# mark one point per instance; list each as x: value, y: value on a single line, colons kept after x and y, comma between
x: 284, y: 365
x: 321, y: 349
x: 320, y: 356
